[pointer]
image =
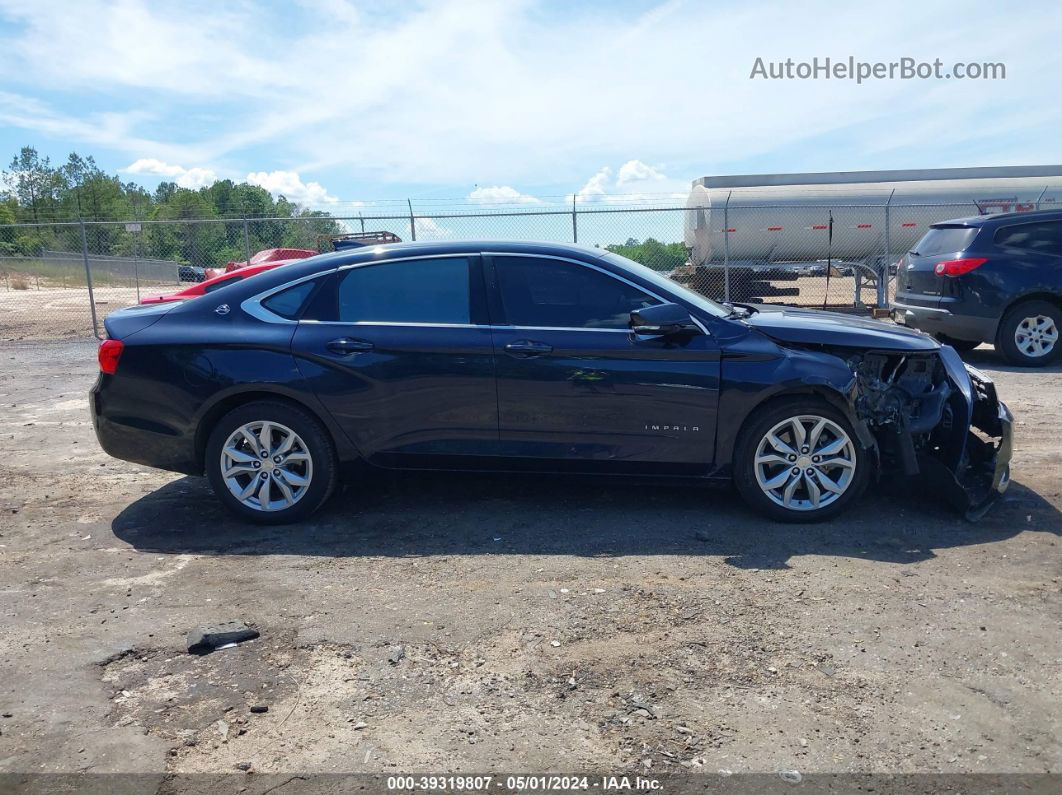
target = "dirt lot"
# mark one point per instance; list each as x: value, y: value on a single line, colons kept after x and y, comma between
x: 545, y: 624
x: 52, y: 312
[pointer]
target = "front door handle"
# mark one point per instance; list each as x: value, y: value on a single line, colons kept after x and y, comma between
x: 527, y: 349
x: 346, y: 346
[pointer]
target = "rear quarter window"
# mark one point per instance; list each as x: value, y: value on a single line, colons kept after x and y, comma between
x: 1044, y: 237
x: 945, y: 240
x: 288, y: 303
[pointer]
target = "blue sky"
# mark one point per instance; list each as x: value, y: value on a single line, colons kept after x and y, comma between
x: 335, y: 102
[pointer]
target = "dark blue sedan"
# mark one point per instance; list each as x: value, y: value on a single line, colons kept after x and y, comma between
x: 534, y: 357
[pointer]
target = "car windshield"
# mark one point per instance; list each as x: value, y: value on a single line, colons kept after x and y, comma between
x: 685, y: 293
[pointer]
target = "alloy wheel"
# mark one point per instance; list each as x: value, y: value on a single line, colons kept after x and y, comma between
x: 1036, y: 336
x: 266, y: 466
x: 805, y: 463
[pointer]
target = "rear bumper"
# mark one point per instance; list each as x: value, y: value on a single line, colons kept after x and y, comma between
x: 935, y: 320
x: 131, y: 438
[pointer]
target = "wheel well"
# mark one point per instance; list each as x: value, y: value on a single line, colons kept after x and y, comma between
x: 1051, y: 298
x: 225, y: 405
x: 828, y: 396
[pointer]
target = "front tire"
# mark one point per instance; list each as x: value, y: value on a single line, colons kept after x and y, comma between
x: 270, y: 462
x: 799, y: 460
x: 1029, y: 334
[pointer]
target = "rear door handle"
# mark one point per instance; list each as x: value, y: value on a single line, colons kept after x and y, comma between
x: 527, y: 349
x: 346, y: 346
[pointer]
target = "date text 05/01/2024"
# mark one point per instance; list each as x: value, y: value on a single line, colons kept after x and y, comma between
x: 522, y: 783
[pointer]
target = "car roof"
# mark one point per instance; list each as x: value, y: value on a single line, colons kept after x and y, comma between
x: 298, y: 269
x: 322, y: 262
x: 477, y: 246
x: 436, y: 247
x: 1032, y: 216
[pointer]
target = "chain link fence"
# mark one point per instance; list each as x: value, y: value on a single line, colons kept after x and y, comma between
x: 832, y: 257
x: 60, y: 280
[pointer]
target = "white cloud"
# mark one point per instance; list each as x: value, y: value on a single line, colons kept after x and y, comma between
x: 485, y: 83
x: 501, y: 194
x: 191, y: 178
x: 195, y: 178
x: 149, y: 165
x: 652, y: 185
x: 290, y: 185
x: 596, y: 187
x: 637, y: 171
x: 279, y: 183
x: 429, y: 229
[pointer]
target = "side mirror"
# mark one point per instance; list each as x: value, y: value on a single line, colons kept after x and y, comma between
x: 663, y: 320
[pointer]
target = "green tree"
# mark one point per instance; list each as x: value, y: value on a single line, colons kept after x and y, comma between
x: 90, y: 194
x: 79, y: 190
x: 186, y: 241
x: 652, y: 253
x: 35, y: 184
x: 8, y: 210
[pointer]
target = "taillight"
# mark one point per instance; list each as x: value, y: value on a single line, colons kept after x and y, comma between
x: 957, y: 267
x: 110, y: 352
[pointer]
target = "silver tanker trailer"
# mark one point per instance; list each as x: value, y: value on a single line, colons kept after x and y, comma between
x: 744, y: 234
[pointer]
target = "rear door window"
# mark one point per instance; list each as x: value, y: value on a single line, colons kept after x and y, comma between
x: 1044, y: 237
x: 944, y: 240
x: 434, y: 290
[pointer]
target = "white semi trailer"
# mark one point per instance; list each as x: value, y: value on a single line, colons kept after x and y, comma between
x: 751, y: 222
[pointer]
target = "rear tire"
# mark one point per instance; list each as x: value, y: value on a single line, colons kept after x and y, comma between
x: 799, y: 460
x: 962, y: 346
x: 1029, y: 334
x: 290, y: 481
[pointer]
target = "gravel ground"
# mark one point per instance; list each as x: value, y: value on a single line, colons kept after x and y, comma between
x: 469, y: 623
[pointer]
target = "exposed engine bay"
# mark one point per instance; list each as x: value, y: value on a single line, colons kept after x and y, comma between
x: 931, y: 415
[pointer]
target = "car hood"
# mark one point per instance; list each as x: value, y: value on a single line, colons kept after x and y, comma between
x: 810, y: 326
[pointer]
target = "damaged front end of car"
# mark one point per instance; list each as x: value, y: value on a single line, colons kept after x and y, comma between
x: 935, y: 418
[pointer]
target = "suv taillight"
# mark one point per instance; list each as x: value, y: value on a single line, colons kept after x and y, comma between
x: 957, y: 267
x: 109, y: 354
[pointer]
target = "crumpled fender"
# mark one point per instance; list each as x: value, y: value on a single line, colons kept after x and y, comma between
x: 755, y: 369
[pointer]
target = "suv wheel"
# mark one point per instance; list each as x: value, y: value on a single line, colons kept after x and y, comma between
x: 800, y: 461
x: 270, y: 462
x: 1029, y: 334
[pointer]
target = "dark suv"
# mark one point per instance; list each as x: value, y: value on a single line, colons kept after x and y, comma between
x: 992, y: 278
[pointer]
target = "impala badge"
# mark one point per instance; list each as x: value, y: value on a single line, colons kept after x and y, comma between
x: 222, y: 310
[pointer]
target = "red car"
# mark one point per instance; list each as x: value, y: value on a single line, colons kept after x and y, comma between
x: 216, y: 283
x: 277, y: 256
